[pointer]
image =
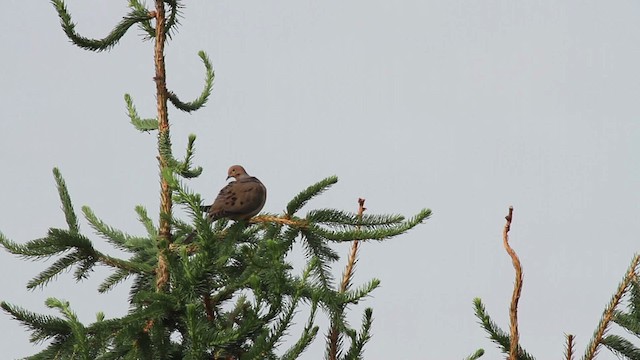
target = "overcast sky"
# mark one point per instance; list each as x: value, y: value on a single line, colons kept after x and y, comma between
x: 464, y: 107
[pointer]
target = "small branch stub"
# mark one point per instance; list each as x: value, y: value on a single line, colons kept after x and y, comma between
x: 509, y: 217
x: 569, y: 350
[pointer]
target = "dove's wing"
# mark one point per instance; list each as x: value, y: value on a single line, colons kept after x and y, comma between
x: 239, y: 200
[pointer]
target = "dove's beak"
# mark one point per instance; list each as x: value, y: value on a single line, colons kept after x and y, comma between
x: 228, y: 177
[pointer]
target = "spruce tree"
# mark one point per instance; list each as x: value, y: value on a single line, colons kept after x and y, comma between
x: 509, y: 343
x: 628, y: 320
x: 231, y: 294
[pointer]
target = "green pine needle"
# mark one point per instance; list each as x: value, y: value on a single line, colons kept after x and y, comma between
x: 65, y: 198
x: 114, y: 236
x: 206, y: 92
x: 173, y: 20
x: 143, y: 217
x: 307, y: 336
x: 314, y: 190
x: 355, y: 296
x: 143, y: 125
x: 184, y: 167
x: 359, y: 340
x: 372, y: 233
x: 497, y: 335
x: 476, y: 355
x: 621, y: 347
x: 134, y: 17
x: 145, y: 26
x: 43, y: 327
x: 336, y: 218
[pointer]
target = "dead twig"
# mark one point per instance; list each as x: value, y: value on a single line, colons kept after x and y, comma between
x: 334, y: 333
x: 348, y: 272
x: 517, y: 289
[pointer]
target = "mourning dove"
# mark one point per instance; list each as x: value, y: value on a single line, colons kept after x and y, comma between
x: 239, y: 200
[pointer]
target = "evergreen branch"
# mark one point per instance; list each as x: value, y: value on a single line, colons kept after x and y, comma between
x: 154, y: 304
x: 77, y: 329
x: 182, y: 195
x: 83, y: 268
x: 316, y: 247
x: 144, y: 25
x: 496, y: 334
x: 271, y: 339
x: 476, y: 355
x: 246, y: 324
x: 65, y: 199
x: 634, y: 299
x: 308, y: 335
x: 358, y: 342
x: 114, y: 236
x: 337, y: 218
x: 314, y: 190
x: 61, y: 241
x: 57, y: 241
x: 134, y: 17
x: 144, y: 218
x: 143, y: 125
x: 323, y: 281
x: 184, y: 167
x: 43, y: 327
x: 55, y: 350
x: 628, y: 322
x: 164, y: 148
x: 52, y: 271
x: 70, y: 339
x: 174, y: 15
x: 114, y: 279
x: 23, y: 251
x: 621, y: 347
x: 371, y: 234
x: 569, y: 348
x: 517, y: 288
x: 289, y: 236
x: 195, y: 327
x: 607, y: 315
x: 85, y: 264
x: 354, y: 296
x: 140, y: 284
x: 206, y: 92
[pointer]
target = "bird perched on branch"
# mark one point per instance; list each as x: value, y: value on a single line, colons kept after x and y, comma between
x: 239, y: 200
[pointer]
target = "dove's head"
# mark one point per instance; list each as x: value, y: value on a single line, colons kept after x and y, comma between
x: 236, y: 171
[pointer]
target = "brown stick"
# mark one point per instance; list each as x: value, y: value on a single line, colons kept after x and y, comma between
x: 162, y: 275
x: 348, y: 272
x: 279, y: 220
x: 334, y: 334
x: 517, y: 289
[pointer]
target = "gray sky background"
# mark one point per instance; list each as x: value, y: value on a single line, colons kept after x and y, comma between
x: 464, y: 107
